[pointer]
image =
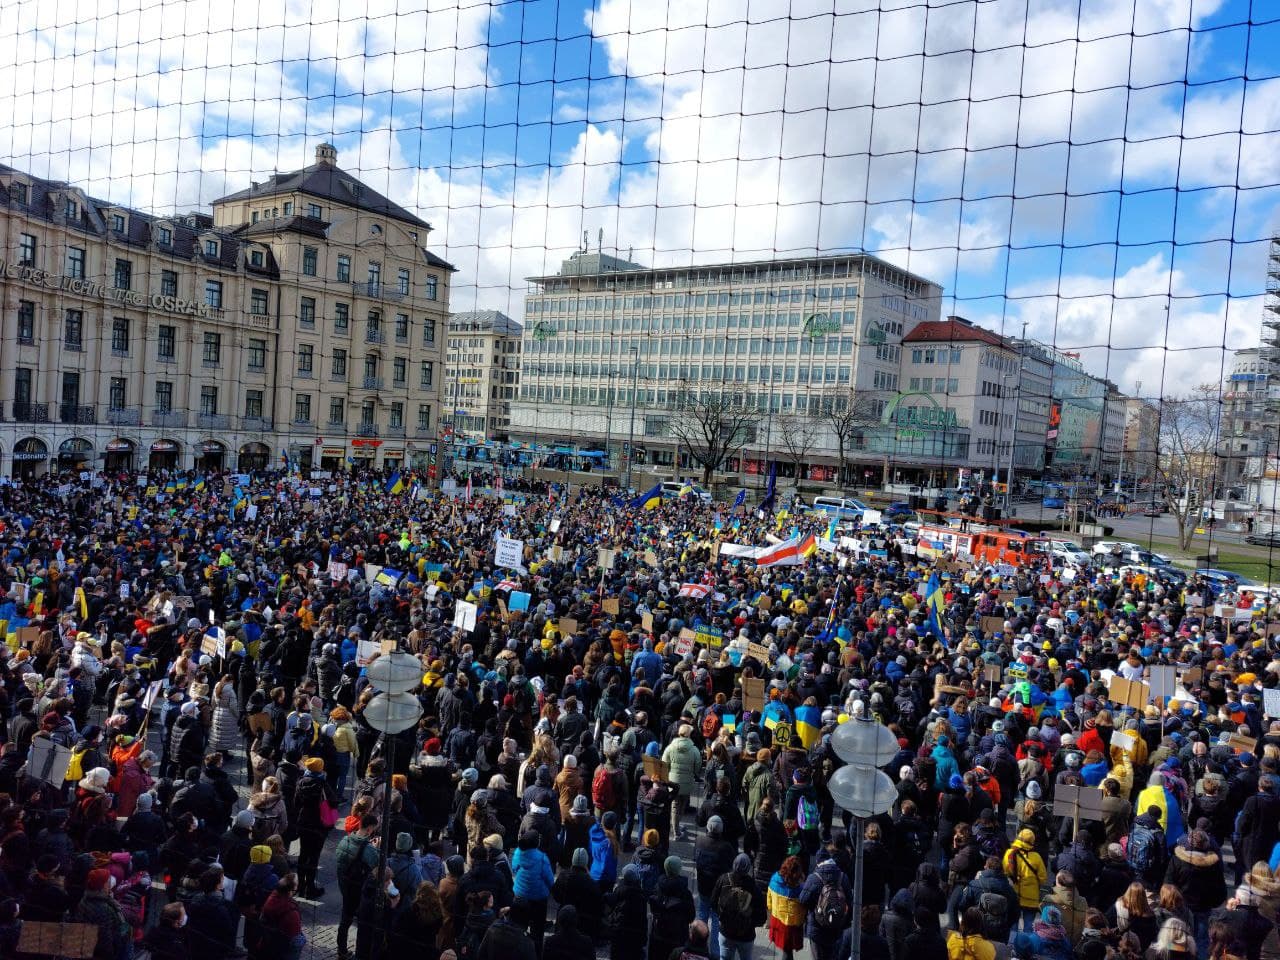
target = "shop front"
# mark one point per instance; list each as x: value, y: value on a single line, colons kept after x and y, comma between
x: 30, y: 458
x: 333, y: 458
x: 253, y: 457
x: 118, y: 455
x: 211, y: 456
x: 164, y: 455
x: 363, y: 452
x: 392, y: 458
x: 75, y: 454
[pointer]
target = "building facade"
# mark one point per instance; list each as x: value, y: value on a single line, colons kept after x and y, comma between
x: 302, y: 321
x: 482, y: 373
x: 1141, y: 441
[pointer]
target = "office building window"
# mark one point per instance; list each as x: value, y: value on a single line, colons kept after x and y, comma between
x: 306, y: 358
x: 253, y: 403
x: 164, y: 236
x: 302, y: 408
x: 432, y: 286
x: 399, y: 370
x: 73, y: 330
x: 402, y: 282
x: 123, y: 274
x: 26, y: 250
x: 26, y: 321
x: 258, y: 301
x: 164, y: 396
x: 166, y: 342
x: 428, y: 374
x: 212, y: 348
x: 341, y: 317
x: 429, y: 331
x: 336, y: 411
x: 344, y: 269
x: 116, y: 396
x: 213, y: 294
x: 307, y: 312
x: 310, y: 259
x: 208, y: 401
x: 169, y: 283
x: 257, y: 353
x: 396, y: 417
x: 288, y: 208
x: 424, y: 416
x: 313, y: 210
x: 211, y: 248
x: 120, y: 335
x: 339, y: 369
x: 75, y: 262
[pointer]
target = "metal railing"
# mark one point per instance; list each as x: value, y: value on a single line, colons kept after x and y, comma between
x: 377, y: 289
x: 169, y: 418
x: 257, y: 424
x: 76, y: 413
x: 367, y: 430
x: 213, y: 421
x: 373, y: 383
x: 24, y: 411
x: 124, y: 417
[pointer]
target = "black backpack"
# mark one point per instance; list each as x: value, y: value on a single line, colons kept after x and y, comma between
x: 995, y: 915
x: 668, y: 921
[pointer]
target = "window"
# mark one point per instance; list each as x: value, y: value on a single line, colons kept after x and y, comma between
x: 402, y: 327
x: 255, y: 258
x: 344, y: 269
x: 396, y: 418
x: 208, y: 401
x: 341, y: 317
x: 119, y: 387
x: 253, y: 403
x: 75, y: 262
x: 213, y: 294
x: 18, y: 192
x: 402, y: 282
x: 164, y: 236
x: 302, y: 408
x: 169, y: 283
x: 117, y: 222
x: 424, y: 416
x: 375, y: 229
x: 429, y: 331
x: 313, y: 210
x: 253, y: 218
x: 336, y: 411
x: 371, y: 366
x: 211, y: 248
x: 166, y: 342
x: 288, y: 208
x: 306, y: 359
x: 212, y: 349
x: 428, y: 374
x: 164, y: 396
x: 432, y: 284
x: 307, y: 312
x: 339, y: 368
x: 73, y: 330
x: 375, y: 276
x: 399, y: 371
x: 375, y: 322
x: 257, y: 353
x: 258, y: 301
x: 310, y: 258
x: 26, y: 321
x: 71, y: 209
x: 26, y: 250
x: 124, y: 275
x: 70, y: 394
x: 120, y: 335
x: 23, y: 380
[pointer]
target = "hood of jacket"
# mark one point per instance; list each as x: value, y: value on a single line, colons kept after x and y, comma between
x: 1199, y: 859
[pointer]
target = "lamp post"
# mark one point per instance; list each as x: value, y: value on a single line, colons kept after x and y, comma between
x: 631, y: 432
x: 391, y: 712
x: 863, y: 790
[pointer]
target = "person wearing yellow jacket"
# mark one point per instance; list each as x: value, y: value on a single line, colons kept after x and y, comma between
x: 1026, y: 871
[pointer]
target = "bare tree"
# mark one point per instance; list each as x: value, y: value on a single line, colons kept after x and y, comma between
x: 846, y: 420
x: 797, y: 436
x: 1187, y: 464
x: 711, y: 424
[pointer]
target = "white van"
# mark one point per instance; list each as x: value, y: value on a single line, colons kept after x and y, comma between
x: 843, y: 508
x: 671, y: 490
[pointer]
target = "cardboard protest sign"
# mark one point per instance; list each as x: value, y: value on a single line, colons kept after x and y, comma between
x: 610, y: 606
x: 709, y: 636
x: 782, y: 735
x: 765, y: 603
x: 651, y: 558
x: 758, y: 651
x: 74, y: 941
x: 992, y: 625
x: 604, y: 558
x: 464, y: 616
x: 568, y: 626
x: 1006, y: 596
x: 519, y: 601
x: 753, y: 693
x: 27, y: 636
x: 153, y: 692
x: 1163, y: 680
x: 646, y: 622
x: 1271, y: 703
x: 1125, y: 741
x: 48, y: 761
x: 656, y: 769
x: 366, y: 650
x: 209, y: 645
x: 992, y: 672
x: 1128, y: 693
x: 1242, y: 744
x: 508, y: 553
x: 683, y: 644
x: 554, y: 526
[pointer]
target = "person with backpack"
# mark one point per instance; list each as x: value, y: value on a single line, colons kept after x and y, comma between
x: 269, y: 810
x: 968, y: 942
x: 672, y: 910
x: 253, y: 890
x: 827, y: 898
x: 739, y: 903
x: 801, y: 805
x: 355, y: 859
x: 609, y: 787
x: 713, y: 857
x: 993, y: 895
x: 1027, y: 873
x: 628, y: 916
x: 1144, y: 848
x: 281, y: 936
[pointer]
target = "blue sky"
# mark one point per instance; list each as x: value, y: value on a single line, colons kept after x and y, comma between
x: 1091, y: 163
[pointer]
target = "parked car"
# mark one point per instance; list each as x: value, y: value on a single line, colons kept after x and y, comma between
x: 1053, y: 503
x: 1154, y: 509
x: 899, y: 508
x: 1070, y: 551
x: 1271, y: 539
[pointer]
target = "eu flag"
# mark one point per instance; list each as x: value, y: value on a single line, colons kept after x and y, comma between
x: 770, y: 488
x: 740, y: 499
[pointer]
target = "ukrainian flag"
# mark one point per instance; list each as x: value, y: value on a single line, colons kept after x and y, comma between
x: 808, y: 725
x: 831, y: 529
x: 396, y: 483
x: 199, y: 487
x: 388, y: 577
x: 935, y: 603
x: 649, y: 500
x: 170, y: 487
x: 729, y: 721
x: 686, y: 490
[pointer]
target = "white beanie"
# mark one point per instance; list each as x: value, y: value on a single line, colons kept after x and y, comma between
x: 190, y: 708
x: 570, y: 762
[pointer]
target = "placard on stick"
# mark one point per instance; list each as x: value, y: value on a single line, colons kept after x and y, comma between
x: 656, y: 769
x: 1271, y: 703
x: 753, y: 693
x: 1242, y: 744
x: 646, y: 622
x: 1128, y: 693
x: 610, y: 606
x: 568, y: 626
x: 991, y: 625
x: 782, y: 735
x: 1078, y: 803
x: 758, y: 651
x: 992, y: 672
x: 1163, y: 680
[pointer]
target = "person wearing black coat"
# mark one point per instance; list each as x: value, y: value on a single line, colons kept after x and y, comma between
x: 766, y: 843
x: 484, y: 876
x: 628, y: 916
x: 926, y: 941
x: 576, y: 888
x: 567, y: 942
x: 672, y: 909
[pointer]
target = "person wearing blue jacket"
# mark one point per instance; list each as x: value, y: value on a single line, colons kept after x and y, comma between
x: 604, y: 854
x: 947, y: 766
x: 532, y: 880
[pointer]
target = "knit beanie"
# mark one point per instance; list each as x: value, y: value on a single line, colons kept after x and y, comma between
x: 260, y: 854
x: 672, y: 867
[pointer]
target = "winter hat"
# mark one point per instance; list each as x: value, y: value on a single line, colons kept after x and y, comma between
x: 1027, y: 836
x: 609, y: 821
x: 580, y: 858
x: 404, y: 842
x: 260, y: 854
x: 580, y: 807
x: 956, y: 782
x: 1073, y: 760
x: 97, y: 880
x: 455, y: 865
x: 715, y: 826
x: 494, y: 841
x: 329, y: 729
x: 314, y: 764
x: 742, y: 864
x: 570, y: 762
x: 145, y: 800
x: 471, y: 775
x: 497, y: 782
x: 243, y: 820
x: 190, y: 708
x: 904, y: 773
x: 1033, y: 790
x: 672, y: 866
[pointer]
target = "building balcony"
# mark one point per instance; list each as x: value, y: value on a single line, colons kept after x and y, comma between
x: 174, y: 419
x: 75, y: 413
x: 374, y: 336
x: 396, y: 433
x: 24, y: 411
x: 257, y: 424
x: 259, y: 321
x: 213, y: 421
x: 377, y: 290
x: 373, y: 383
x: 124, y: 417
x: 367, y: 430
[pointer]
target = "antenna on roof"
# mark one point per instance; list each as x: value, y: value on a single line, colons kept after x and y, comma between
x: 600, y: 241
x: 584, y: 241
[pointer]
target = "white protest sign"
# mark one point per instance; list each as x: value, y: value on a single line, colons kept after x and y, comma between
x: 554, y: 527
x: 1271, y: 703
x: 464, y: 616
x: 337, y: 571
x: 366, y: 650
x: 508, y: 553
x: 252, y: 512
x: 371, y: 570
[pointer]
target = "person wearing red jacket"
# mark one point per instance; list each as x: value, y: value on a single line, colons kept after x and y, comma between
x: 281, y: 927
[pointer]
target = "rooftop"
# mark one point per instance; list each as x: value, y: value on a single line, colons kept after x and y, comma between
x: 485, y: 321
x: 953, y: 330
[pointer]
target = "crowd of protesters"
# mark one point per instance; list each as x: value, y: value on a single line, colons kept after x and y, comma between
x: 627, y: 752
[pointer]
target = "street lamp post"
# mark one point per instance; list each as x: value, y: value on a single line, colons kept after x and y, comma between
x: 631, y: 432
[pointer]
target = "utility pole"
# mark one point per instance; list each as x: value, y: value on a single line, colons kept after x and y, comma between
x: 1017, y: 402
x: 631, y: 433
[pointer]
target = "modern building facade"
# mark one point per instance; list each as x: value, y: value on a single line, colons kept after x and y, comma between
x: 482, y: 373
x: 1141, y: 441
x: 302, y: 321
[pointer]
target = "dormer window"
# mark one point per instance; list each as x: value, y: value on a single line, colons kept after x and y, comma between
x: 254, y: 217
x: 255, y: 258
x: 211, y: 248
x: 18, y: 192
x: 72, y: 209
x: 288, y: 208
x: 313, y: 210
x: 117, y: 222
x: 164, y: 236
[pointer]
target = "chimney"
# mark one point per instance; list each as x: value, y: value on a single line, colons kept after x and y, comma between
x: 327, y: 154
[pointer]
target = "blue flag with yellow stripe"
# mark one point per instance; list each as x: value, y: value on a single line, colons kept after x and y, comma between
x: 808, y: 725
